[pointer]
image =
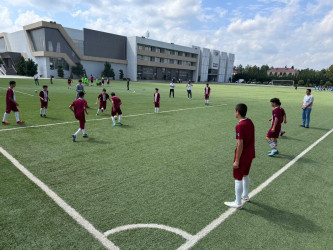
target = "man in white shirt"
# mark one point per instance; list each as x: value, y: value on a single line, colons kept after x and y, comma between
x: 36, y: 79
x: 307, y: 107
x: 189, y: 90
x: 172, y: 90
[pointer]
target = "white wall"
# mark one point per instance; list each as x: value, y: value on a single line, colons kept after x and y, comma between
x: 204, y: 64
x: 96, y: 68
x: 230, y: 66
x: 223, y: 67
x: 132, y: 58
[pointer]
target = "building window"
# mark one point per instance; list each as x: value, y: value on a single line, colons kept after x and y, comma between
x: 166, y: 60
x: 56, y: 62
x: 152, y: 59
x: 176, y: 53
x: 140, y: 47
x: 158, y: 50
x: 140, y: 57
x: 147, y: 48
x: 171, y: 61
x: 146, y: 58
x: 50, y: 46
x: 58, y: 47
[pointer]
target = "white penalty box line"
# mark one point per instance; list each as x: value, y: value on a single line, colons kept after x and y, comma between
x: 215, y: 223
x: 61, y: 203
x: 107, y: 118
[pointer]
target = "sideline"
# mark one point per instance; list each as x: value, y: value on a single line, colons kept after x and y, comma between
x: 61, y: 203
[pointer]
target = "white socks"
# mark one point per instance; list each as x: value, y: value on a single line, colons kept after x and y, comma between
x: 273, y: 145
x: 17, y: 116
x: 120, y: 116
x: 45, y: 111
x: 83, y: 131
x: 77, y: 132
x: 113, y: 120
x: 5, y: 117
x: 246, y: 186
x: 238, y: 191
x: 41, y: 111
x: 98, y: 111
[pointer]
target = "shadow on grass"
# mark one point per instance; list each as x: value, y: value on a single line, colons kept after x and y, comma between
x: 287, y: 220
x: 289, y: 138
x: 323, y: 129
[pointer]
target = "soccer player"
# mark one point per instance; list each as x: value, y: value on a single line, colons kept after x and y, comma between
x: 102, y: 97
x: 128, y: 82
x: 116, y: 102
x: 244, y: 154
x: 79, y: 88
x: 157, y: 98
x: 11, y: 104
x: 79, y: 107
x: 307, y: 107
x: 108, y: 82
x: 207, y: 94
x: 102, y: 80
x: 69, y: 82
x: 91, y: 80
x: 172, y: 90
x: 44, y: 100
x: 274, y: 131
x: 189, y: 90
x: 97, y: 83
x: 36, y: 79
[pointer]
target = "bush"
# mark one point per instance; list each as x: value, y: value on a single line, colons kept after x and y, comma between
x: 121, y: 74
x: 31, y: 67
x: 301, y: 82
x: 60, y: 71
x: 78, y: 70
x: 327, y: 83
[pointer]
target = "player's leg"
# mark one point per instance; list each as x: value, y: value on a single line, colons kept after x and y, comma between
x: 17, y: 115
x: 238, y: 175
x: 45, y: 109
x: 308, y: 112
x: 246, y: 187
x: 303, y: 117
x: 120, y: 116
x: 113, y: 113
x: 4, y: 120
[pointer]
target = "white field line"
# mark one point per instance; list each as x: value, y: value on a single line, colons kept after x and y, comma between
x: 215, y: 223
x: 61, y: 203
x: 16, y: 91
x: 106, y: 118
x: 180, y: 232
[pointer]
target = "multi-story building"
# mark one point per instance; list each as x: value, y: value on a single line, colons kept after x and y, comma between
x: 51, y: 45
x: 282, y: 72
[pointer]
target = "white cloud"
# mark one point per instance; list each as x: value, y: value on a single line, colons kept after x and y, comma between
x: 5, y: 21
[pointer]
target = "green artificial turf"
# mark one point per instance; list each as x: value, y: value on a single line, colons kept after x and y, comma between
x: 172, y: 168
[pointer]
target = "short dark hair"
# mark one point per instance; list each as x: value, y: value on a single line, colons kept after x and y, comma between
x: 44, y: 86
x: 80, y: 80
x: 309, y: 90
x: 242, y: 109
x: 113, y: 93
x: 276, y: 101
x: 81, y: 94
x: 12, y: 82
x: 207, y: 84
x: 156, y: 89
x: 104, y: 89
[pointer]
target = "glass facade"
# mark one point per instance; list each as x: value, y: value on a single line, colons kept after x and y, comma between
x: 56, y: 62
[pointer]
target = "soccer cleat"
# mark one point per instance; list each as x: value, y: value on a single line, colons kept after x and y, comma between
x: 246, y: 199
x: 306, y: 126
x: 114, y: 125
x: 277, y: 152
x: 282, y: 133
x: 233, y: 204
x: 74, y: 137
x: 5, y: 122
x: 44, y: 116
x: 102, y: 110
x: 84, y: 135
x: 272, y: 153
x: 41, y: 115
x: 96, y: 113
x: 20, y: 122
x: 119, y: 123
x: 301, y: 125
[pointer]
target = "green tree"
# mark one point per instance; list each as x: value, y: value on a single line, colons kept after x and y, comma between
x: 71, y: 75
x: 112, y: 75
x: 31, y: 67
x: 301, y: 82
x: 60, y: 71
x: 1, y: 62
x: 107, y: 72
x: 121, y: 74
x: 21, y: 68
x: 78, y: 70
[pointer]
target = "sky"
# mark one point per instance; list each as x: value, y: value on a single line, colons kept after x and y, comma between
x: 275, y: 32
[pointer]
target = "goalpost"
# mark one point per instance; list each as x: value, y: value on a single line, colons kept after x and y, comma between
x: 282, y: 82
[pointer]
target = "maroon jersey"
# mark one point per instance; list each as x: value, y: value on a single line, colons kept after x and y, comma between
x: 103, y: 97
x: 207, y: 91
x: 69, y: 80
x: 91, y: 78
x: 276, y: 114
x: 79, y: 106
x: 282, y: 113
x: 245, y: 132
x: 10, y: 94
x: 116, y: 102
x: 157, y: 97
x: 42, y: 95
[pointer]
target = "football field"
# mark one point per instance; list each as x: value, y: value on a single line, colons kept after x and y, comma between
x: 160, y: 180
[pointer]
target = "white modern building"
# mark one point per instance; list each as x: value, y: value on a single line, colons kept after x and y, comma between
x: 51, y: 45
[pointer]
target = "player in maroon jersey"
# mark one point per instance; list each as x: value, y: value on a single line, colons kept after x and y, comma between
x: 116, y: 102
x: 207, y: 94
x: 69, y: 82
x: 91, y: 80
x: 157, y: 99
x: 79, y: 107
x: 284, y: 119
x: 11, y: 104
x: 274, y: 131
x: 108, y: 82
x: 44, y: 100
x: 244, y: 154
x: 102, y: 97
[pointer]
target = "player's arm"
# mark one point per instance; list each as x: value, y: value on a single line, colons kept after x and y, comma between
x: 12, y: 100
x: 275, y: 123
x: 239, y: 151
x: 285, y: 118
x: 71, y: 107
x: 97, y: 100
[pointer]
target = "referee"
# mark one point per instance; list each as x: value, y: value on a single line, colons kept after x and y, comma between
x: 172, y: 89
